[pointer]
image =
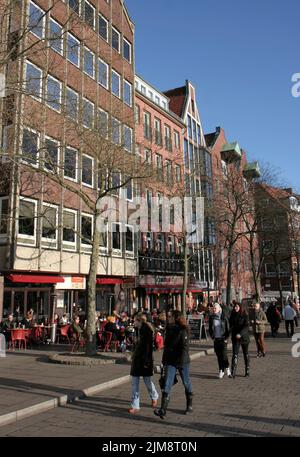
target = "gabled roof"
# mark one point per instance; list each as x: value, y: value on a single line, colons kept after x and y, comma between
x: 211, y: 138
x: 177, y: 98
x: 276, y: 192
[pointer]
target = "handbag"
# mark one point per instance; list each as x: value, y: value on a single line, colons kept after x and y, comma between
x: 163, y: 377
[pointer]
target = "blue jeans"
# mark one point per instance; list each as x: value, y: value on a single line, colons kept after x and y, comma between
x: 185, y: 377
x: 135, y: 392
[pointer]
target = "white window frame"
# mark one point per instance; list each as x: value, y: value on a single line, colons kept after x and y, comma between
x: 49, y: 241
x: 76, y: 168
x: 100, y: 61
x: 128, y: 84
x: 118, y: 74
x: 78, y: 42
x: 27, y: 62
x: 130, y: 50
x: 69, y: 245
x: 43, y: 20
x: 82, y: 244
x: 107, y: 29
x: 132, y: 191
x: 27, y: 237
x: 126, y: 127
x: 61, y: 38
x: 91, y: 103
x: 98, y: 120
x: 130, y: 253
x: 38, y: 146
x: 58, y: 153
x: 115, y: 30
x: 94, y: 24
x: 104, y: 249
x: 91, y: 186
x: 85, y: 48
x: 69, y: 89
x: 117, y: 252
x: 3, y: 235
x: 120, y: 132
x: 60, y: 97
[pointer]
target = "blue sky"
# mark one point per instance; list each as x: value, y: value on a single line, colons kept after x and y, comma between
x: 240, y: 55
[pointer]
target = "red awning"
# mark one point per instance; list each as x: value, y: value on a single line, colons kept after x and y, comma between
x: 109, y: 281
x: 195, y: 291
x: 43, y: 279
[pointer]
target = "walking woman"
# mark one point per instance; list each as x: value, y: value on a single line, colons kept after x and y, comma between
x: 142, y: 363
x: 176, y: 357
x: 219, y: 330
x: 239, y: 325
x: 258, y: 324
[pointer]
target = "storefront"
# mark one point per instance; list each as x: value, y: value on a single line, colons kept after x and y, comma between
x: 159, y: 292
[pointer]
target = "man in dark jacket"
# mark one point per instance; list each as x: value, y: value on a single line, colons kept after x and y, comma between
x: 142, y: 363
x: 219, y: 330
x: 239, y: 325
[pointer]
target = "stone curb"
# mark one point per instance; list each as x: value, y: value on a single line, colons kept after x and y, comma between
x: 15, y: 416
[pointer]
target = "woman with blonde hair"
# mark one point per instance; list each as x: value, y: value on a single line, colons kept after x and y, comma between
x: 142, y: 363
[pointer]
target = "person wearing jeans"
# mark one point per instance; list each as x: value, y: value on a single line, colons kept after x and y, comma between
x: 258, y: 321
x: 142, y: 364
x: 289, y: 315
x: 176, y: 357
x: 219, y: 330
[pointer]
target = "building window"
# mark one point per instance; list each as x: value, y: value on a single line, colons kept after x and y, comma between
x: 147, y: 126
x: 103, y: 27
x: 89, y: 63
x: 33, y: 82
x: 104, y: 235
x: 86, y: 229
x: 189, y: 126
x: 176, y: 140
x: 74, y: 5
x: 36, y: 21
x: 49, y: 223
x: 103, y: 123
x: 159, y: 167
x: 87, y: 177
x: 127, y: 93
x: 71, y: 164
x: 115, y: 39
x: 126, y: 50
x: 158, y: 135
x: 178, y: 173
x: 116, y: 83
x: 168, y: 140
x: 27, y: 218
x: 116, y: 237
x: 53, y: 95
x: 73, y: 50
x: 51, y: 154
x: 69, y: 227
x: 103, y: 74
x: 137, y: 114
x: 4, y: 216
x: 169, y: 172
x: 128, y: 190
x: 55, y: 36
x: 127, y: 138
x: 87, y: 113
x: 89, y: 14
x: 129, y: 239
x: 116, y: 131
x: 30, y: 146
x: 194, y: 131
x: 72, y: 100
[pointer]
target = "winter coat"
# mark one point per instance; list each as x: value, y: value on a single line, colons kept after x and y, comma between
x: 259, y: 316
x: 225, y: 325
x: 142, y: 358
x: 176, y: 350
x: 239, y: 325
x: 273, y: 315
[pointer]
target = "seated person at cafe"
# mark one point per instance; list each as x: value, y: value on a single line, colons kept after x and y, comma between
x: 28, y: 321
x: 7, y: 325
x: 64, y: 320
x: 76, y: 330
x: 111, y: 326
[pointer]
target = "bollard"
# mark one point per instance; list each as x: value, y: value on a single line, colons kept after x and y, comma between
x: 2, y: 345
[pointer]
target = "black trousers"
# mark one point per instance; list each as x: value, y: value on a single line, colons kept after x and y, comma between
x: 235, y: 352
x: 221, y: 352
x: 289, y: 324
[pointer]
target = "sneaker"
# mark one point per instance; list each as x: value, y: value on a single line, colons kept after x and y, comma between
x: 228, y: 372
x: 258, y: 355
x: 221, y: 374
x: 133, y: 411
x: 154, y: 403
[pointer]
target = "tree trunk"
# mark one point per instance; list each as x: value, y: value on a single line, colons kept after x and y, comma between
x: 185, y: 276
x: 91, y: 345
x: 256, y: 277
x: 298, y: 279
x: 229, y: 275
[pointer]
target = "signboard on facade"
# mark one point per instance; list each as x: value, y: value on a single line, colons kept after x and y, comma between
x: 71, y: 283
x: 148, y: 280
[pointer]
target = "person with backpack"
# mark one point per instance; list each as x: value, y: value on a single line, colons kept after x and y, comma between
x: 142, y: 363
x: 176, y: 357
x: 274, y: 318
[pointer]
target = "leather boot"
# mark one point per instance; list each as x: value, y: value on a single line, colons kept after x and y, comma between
x: 162, y: 411
x: 234, y: 366
x: 189, y: 402
x: 247, y: 365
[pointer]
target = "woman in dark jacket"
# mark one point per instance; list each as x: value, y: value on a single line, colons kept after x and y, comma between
x: 176, y: 357
x: 142, y: 363
x: 239, y: 324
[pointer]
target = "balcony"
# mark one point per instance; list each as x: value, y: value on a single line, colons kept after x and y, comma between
x: 231, y: 152
x: 252, y: 171
x: 152, y: 262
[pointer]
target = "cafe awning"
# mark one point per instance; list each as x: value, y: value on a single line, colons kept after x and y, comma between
x: 39, y: 279
x: 109, y: 281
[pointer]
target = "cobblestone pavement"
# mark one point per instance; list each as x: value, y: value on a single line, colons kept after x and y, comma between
x: 266, y: 404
